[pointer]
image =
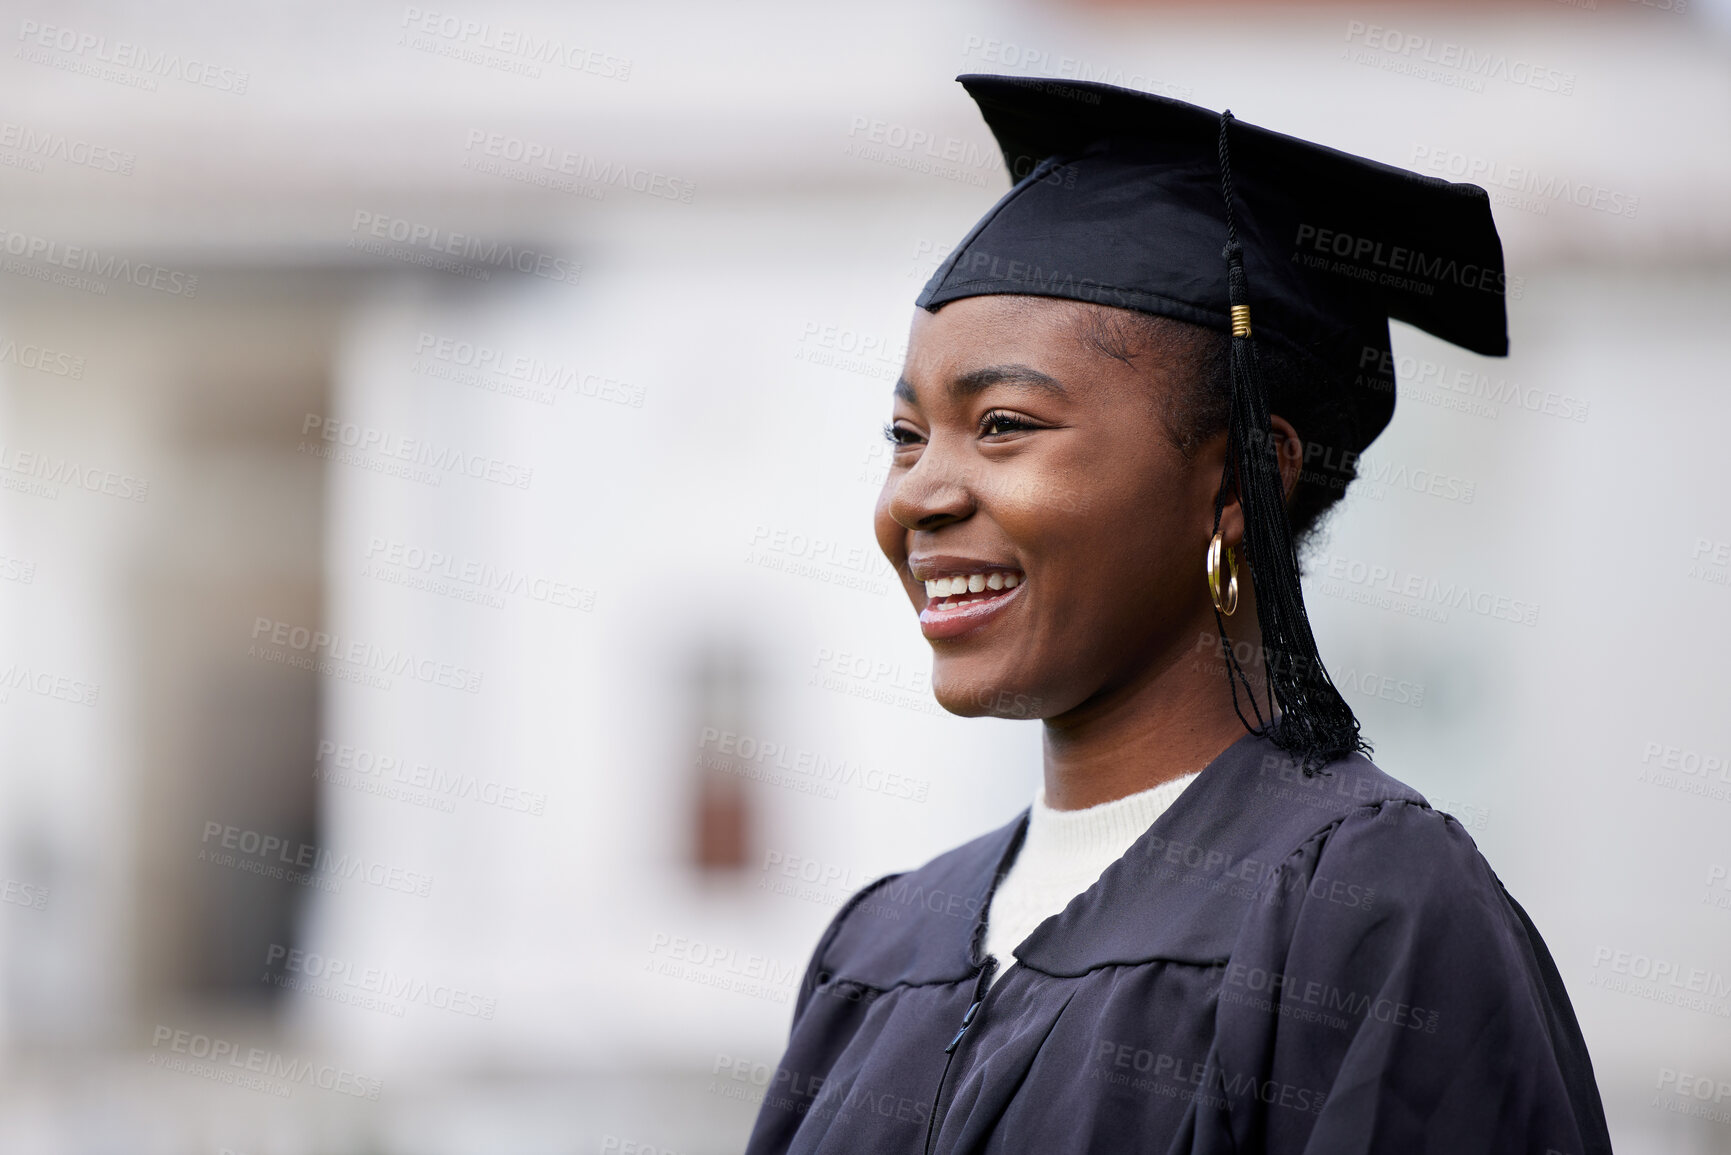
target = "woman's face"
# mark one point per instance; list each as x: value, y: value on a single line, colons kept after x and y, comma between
x: 1040, y: 469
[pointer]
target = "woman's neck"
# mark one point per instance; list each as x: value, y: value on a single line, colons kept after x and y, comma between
x: 1171, y: 720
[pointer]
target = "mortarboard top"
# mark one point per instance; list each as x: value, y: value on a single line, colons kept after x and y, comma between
x: 1119, y: 202
x: 1136, y: 201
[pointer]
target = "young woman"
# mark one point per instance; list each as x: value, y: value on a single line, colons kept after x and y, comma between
x: 1219, y: 927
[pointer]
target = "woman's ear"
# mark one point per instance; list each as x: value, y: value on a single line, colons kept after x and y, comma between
x: 1289, y: 451
x: 1209, y: 465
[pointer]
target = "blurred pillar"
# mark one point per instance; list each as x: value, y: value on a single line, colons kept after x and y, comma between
x: 723, y: 828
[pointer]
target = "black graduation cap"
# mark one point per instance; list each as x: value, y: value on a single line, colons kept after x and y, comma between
x: 1138, y: 201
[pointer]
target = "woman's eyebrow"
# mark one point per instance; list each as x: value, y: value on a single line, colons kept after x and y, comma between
x: 971, y: 384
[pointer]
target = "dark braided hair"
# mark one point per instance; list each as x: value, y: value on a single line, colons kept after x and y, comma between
x: 1195, y: 399
x: 1218, y: 383
x: 1315, y: 724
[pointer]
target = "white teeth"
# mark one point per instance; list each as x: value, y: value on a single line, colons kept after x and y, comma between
x: 945, y: 587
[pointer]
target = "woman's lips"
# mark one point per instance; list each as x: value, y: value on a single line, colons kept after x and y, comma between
x: 950, y: 615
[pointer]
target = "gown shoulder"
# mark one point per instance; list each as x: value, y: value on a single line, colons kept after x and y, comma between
x: 917, y: 926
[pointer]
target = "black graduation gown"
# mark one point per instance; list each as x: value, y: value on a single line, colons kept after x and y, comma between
x: 1279, y: 963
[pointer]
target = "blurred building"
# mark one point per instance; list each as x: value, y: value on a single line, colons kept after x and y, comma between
x: 447, y: 680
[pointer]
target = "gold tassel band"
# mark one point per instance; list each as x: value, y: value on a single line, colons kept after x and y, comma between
x: 1241, y: 320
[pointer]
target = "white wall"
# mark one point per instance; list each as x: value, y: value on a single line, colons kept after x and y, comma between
x: 725, y: 315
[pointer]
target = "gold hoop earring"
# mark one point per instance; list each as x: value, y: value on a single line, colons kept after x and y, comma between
x: 1213, y: 566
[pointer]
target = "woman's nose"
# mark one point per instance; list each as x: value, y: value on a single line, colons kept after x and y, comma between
x: 935, y: 492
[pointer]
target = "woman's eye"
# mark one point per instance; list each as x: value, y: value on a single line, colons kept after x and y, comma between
x: 995, y: 423
x: 900, y: 434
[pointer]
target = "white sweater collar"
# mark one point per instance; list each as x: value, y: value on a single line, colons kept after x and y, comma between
x: 1070, y: 838
x: 1063, y: 854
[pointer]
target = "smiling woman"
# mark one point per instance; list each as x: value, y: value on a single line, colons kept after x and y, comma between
x: 1023, y: 450
x: 1219, y: 927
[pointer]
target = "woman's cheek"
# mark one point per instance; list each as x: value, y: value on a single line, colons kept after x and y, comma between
x: 891, y: 537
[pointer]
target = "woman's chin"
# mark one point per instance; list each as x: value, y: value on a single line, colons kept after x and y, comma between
x: 985, y: 697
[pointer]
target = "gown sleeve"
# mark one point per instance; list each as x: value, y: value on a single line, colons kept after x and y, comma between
x: 1387, y: 995
x: 819, y: 1031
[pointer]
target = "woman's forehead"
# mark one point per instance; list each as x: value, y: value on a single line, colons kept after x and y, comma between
x: 988, y: 329
x: 1012, y: 339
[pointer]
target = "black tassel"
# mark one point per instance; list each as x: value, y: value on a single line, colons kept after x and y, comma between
x: 1315, y: 724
